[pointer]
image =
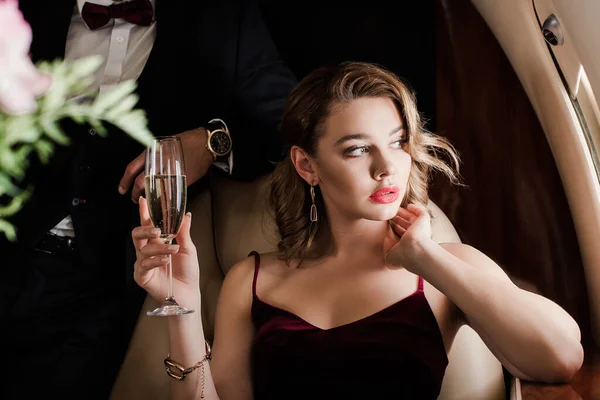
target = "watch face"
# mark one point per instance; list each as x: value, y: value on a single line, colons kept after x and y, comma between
x: 220, y: 142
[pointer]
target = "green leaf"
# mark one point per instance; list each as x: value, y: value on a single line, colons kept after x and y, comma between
x: 8, y: 161
x: 55, y: 96
x: 16, y: 203
x: 113, y: 96
x: 44, y: 149
x: 53, y: 131
x: 135, y: 125
x: 77, y: 112
x: 8, y: 229
x: 97, y: 125
x: 22, y: 129
x: 7, y: 186
x: 43, y: 66
x: 124, y: 106
x: 80, y: 119
x: 21, y: 161
x: 83, y: 67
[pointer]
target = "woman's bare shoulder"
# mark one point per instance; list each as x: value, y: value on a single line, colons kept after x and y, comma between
x: 274, y: 265
x: 270, y: 263
x: 272, y: 270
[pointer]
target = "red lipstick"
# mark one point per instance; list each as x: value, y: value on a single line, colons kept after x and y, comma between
x: 385, y: 195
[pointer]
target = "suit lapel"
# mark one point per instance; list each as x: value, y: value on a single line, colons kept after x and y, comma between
x: 148, y: 84
x: 167, y: 85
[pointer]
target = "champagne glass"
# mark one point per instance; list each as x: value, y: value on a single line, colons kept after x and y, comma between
x: 166, y: 194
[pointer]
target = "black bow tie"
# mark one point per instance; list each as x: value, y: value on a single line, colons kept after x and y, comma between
x: 137, y: 12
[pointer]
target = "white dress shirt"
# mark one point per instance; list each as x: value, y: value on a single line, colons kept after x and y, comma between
x: 124, y: 47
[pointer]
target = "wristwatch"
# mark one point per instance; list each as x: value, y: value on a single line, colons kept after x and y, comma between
x: 219, y: 140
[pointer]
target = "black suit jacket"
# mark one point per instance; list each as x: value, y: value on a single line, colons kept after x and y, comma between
x: 208, y: 61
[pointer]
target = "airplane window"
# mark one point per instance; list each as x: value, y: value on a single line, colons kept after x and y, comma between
x: 571, y: 32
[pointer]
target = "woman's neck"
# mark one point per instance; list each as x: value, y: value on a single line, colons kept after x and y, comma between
x: 353, y: 240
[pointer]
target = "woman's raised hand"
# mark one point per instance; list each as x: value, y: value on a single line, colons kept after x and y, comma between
x: 152, y: 257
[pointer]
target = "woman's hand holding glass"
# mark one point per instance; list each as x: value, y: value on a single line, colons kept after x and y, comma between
x: 153, y: 256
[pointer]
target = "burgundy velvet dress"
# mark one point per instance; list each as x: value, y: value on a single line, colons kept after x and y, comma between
x: 396, y: 353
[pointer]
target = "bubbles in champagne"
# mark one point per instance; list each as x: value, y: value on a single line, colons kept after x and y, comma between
x: 167, y: 197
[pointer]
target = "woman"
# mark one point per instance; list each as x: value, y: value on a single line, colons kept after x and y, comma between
x: 358, y: 301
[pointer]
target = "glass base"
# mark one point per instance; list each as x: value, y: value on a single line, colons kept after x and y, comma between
x: 169, y: 307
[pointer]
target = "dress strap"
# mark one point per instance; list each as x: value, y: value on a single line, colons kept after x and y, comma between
x: 256, y: 268
x: 420, y: 287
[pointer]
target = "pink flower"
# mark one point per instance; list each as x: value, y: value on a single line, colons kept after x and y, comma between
x: 20, y: 81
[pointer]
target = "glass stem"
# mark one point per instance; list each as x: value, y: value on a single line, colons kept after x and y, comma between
x: 170, y: 296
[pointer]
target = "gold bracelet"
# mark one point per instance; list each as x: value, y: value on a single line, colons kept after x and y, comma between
x: 179, y: 372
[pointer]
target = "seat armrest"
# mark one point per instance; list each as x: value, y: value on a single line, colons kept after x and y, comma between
x: 585, y: 385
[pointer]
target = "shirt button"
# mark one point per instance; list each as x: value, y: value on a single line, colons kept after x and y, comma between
x: 75, y: 202
x: 92, y: 132
x: 84, y: 168
x: 119, y: 39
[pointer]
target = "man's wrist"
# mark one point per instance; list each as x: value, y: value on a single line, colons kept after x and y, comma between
x: 219, y: 144
x: 204, y: 151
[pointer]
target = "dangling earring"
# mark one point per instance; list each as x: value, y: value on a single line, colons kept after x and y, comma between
x: 313, y: 207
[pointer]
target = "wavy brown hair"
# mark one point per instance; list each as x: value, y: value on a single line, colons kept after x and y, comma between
x: 308, y: 106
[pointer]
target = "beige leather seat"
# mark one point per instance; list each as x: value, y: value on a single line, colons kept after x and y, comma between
x: 242, y: 225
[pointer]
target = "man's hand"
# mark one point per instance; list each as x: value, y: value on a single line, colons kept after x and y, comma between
x: 195, y: 153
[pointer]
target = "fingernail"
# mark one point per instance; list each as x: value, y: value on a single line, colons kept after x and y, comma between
x: 121, y: 190
x: 140, y: 198
x: 155, y: 231
x: 173, y: 247
x: 164, y: 259
x: 189, y: 214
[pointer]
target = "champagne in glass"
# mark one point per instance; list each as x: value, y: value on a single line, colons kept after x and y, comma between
x: 166, y: 194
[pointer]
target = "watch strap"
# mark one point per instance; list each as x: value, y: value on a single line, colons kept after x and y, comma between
x: 222, y: 161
